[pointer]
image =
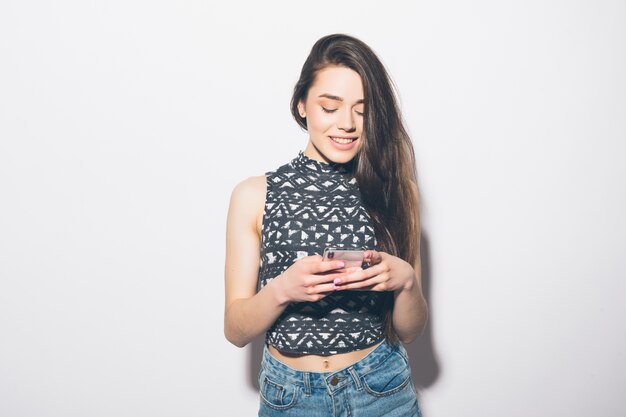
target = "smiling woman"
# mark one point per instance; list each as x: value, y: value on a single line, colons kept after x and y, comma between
x: 333, y: 110
x: 333, y: 333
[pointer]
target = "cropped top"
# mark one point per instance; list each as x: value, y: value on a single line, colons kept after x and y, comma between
x: 310, y: 205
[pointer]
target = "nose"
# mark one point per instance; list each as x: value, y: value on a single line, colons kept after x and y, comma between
x: 346, y: 121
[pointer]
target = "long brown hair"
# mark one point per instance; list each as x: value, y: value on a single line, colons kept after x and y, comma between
x: 385, y: 164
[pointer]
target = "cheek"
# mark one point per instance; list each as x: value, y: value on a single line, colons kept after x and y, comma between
x: 319, y: 121
x: 359, y: 123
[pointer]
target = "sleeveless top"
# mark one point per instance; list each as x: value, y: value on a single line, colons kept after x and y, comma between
x: 310, y: 205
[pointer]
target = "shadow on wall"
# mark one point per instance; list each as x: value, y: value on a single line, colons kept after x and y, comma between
x: 255, y: 352
x: 424, y: 365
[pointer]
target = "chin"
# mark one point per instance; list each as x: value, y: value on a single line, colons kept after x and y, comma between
x: 340, y: 157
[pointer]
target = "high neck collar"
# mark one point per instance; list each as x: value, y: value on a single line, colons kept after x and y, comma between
x: 308, y: 165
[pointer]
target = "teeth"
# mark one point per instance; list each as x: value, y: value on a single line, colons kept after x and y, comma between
x: 342, y: 140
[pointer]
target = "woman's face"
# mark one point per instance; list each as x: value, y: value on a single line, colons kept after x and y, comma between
x: 334, y: 115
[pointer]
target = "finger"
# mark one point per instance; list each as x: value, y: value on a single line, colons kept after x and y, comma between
x: 315, y: 297
x: 345, y: 271
x: 323, y: 288
x: 360, y: 275
x: 367, y: 284
x: 383, y: 286
x: 372, y: 257
x: 323, y: 278
x: 326, y: 266
x: 353, y: 276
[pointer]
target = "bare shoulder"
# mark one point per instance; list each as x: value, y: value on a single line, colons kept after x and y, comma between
x: 251, y: 190
x: 247, y: 201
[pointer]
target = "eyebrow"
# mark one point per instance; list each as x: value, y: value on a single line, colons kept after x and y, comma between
x: 337, y: 98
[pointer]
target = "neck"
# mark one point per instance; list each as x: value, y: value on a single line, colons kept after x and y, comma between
x: 311, y: 152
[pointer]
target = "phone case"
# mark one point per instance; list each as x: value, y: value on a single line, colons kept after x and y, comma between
x: 351, y: 257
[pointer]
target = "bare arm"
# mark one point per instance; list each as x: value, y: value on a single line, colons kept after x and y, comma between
x: 410, y: 311
x: 248, y: 313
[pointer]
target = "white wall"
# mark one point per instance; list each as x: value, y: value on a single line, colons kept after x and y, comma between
x: 125, y: 124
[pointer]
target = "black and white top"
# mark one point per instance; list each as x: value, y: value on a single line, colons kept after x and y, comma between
x: 310, y: 205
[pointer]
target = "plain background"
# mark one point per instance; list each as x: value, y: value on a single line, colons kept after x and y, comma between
x: 124, y: 126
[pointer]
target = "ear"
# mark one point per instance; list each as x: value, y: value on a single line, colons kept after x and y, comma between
x: 301, y: 109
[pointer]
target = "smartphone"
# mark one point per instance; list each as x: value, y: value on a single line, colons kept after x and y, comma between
x: 351, y: 257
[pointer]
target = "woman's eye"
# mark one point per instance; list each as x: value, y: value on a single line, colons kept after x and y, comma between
x: 329, y: 110
x: 360, y: 113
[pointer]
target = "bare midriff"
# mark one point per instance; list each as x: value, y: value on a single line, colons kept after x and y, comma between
x: 320, y: 363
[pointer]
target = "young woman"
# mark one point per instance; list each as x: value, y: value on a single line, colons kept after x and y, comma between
x: 333, y: 332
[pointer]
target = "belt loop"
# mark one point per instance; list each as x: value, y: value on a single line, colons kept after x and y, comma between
x: 357, y: 379
x: 307, y: 384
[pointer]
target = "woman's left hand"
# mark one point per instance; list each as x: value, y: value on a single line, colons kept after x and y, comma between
x: 385, y: 273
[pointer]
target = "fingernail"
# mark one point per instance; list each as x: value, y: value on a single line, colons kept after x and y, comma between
x: 337, y: 281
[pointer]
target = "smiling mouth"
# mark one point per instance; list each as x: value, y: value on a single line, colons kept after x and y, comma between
x: 341, y: 140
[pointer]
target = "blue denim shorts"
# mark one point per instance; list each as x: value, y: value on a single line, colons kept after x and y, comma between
x: 378, y: 385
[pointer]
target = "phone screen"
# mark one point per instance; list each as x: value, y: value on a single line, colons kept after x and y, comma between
x: 351, y: 257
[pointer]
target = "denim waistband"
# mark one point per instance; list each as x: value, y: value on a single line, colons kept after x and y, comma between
x: 334, y: 380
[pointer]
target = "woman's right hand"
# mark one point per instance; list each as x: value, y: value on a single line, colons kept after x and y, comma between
x: 308, y: 279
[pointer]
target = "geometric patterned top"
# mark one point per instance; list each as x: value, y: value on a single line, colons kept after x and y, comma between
x: 310, y: 205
